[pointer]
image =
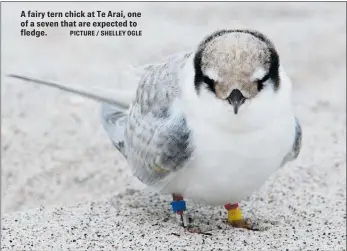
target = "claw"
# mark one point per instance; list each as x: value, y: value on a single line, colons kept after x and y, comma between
x: 241, y: 224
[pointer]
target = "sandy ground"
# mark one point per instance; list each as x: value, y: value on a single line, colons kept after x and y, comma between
x: 64, y: 186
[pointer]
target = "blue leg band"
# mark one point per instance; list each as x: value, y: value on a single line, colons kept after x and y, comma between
x: 179, y: 205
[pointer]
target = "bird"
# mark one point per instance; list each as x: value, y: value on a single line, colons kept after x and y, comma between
x: 211, y: 124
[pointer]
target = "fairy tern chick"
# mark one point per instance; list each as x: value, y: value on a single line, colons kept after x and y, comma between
x: 211, y: 125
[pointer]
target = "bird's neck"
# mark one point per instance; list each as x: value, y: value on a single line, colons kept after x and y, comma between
x: 254, y: 115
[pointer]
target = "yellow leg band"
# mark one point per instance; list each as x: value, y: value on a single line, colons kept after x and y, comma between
x: 234, y: 214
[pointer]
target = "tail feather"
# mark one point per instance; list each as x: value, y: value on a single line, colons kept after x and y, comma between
x: 122, y: 99
x: 114, y: 121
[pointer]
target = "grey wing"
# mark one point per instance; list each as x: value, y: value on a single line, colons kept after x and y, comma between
x: 293, y: 154
x: 113, y: 119
x: 157, y: 138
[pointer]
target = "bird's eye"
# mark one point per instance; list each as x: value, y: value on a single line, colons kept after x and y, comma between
x: 210, y: 83
x: 260, y: 85
x: 260, y: 82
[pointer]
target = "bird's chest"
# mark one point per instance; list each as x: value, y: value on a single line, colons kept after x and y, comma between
x: 216, y: 148
x: 229, y: 166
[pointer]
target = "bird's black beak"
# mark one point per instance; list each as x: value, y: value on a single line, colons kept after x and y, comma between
x: 236, y: 99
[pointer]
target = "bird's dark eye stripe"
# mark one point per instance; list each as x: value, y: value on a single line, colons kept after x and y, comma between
x: 209, y: 82
x: 260, y: 82
x: 265, y: 78
x: 260, y: 86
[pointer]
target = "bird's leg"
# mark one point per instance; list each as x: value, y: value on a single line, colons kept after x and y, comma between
x: 235, y: 217
x: 179, y: 207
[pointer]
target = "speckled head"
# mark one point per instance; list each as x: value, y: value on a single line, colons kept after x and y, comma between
x: 236, y: 65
